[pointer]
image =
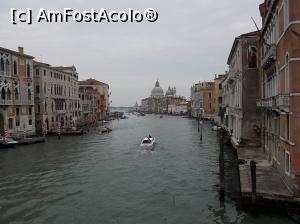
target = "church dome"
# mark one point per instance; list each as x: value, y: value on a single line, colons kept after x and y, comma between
x: 157, y: 90
x: 171, y: 91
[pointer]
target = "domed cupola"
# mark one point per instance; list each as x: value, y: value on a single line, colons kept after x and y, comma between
x: 157, y: 90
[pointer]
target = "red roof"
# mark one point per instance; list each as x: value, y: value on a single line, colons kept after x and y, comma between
x: 92, y: 82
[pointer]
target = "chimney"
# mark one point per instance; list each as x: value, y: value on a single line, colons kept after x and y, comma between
x: 21, y: 50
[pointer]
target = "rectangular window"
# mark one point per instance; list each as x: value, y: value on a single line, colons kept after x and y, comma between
x: 287, y: 75
x: 288, y: 134
x: 287, y: 163
x: 44, y: 72
x: 30, y: 111
x: 286, y: 14
x: 10, y: 123
x: 17, y: 111
x: 37, y: 72
x: 17, y: 123
x: 30, y: 122
x: 37, y: 89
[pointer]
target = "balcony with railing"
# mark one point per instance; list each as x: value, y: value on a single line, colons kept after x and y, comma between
x: 60, y: 111
x: 283, y: 101
x: 266, y: 103
x: 269, y: 57
x: 280, y: 101
x: 24, y: 102
x: 5, y: 102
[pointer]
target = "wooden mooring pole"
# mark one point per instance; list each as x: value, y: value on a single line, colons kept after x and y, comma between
x: 198, y: 119
x: 222, y: 167
x: 253, y: 180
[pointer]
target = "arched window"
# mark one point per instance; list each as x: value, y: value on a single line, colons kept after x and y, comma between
x: 1, y: 65
x: 7, y: 67
x: 15, y: 68
x: 16, y: 94
x: 29, y: 94
x: 8, y: 94
x: 252, y: 57
x: 287, y: 74
x: 3, y: 95
x: 28, y: 70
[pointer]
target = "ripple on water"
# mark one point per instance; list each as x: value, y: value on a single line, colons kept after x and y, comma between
x: 108, y: 179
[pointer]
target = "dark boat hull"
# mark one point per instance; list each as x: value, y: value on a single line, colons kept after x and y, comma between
x: 7, y: 146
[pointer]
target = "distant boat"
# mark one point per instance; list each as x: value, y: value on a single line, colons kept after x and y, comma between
x: 9, y: 144
x: 216, y: 128
x: 106, y: 130
x: 161, y: 116
x: 185, y: 117
x: 148, y: 143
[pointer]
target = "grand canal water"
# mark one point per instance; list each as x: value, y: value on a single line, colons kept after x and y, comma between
x: 107, y: 179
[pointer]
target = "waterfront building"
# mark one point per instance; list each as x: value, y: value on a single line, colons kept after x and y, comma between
x: 158, y: 102
x: 17, y: 94
x: 104, y: 102
x: 279, y: 83
x: 56, y: 96
x: 218, y: 97
x: 202, y: 99
x: 144, y: 105
x: 240, y: 90
x: 90, y: 105
x: 178, y: 109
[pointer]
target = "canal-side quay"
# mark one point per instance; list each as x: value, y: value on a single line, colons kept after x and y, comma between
x: 261, y: 185
x: 107, y: 178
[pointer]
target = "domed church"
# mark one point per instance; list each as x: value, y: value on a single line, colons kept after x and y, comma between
x: 157, y: 90
x: 158, y: 102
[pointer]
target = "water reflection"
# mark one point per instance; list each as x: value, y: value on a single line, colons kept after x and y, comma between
x: 108, y: 179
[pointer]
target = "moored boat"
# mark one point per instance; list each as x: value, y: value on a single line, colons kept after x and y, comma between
x: 106, y: 130
x: 10, y: 143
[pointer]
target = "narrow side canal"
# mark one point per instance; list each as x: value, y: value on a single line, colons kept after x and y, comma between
x: 108, y: 179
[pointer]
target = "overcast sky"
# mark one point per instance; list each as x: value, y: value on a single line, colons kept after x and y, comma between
x: 190, y: 42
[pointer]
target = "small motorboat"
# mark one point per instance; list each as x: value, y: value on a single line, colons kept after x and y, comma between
x: 161, y: 116
x: 148, y: 143
x: 106, y: 130
x: 9, y: 144
x: 216, y: 128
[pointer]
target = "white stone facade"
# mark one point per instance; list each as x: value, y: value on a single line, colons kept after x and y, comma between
x: 57, y: 97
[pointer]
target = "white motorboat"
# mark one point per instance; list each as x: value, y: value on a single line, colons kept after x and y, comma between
x: 148, y: 143
x: 216, y: 128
